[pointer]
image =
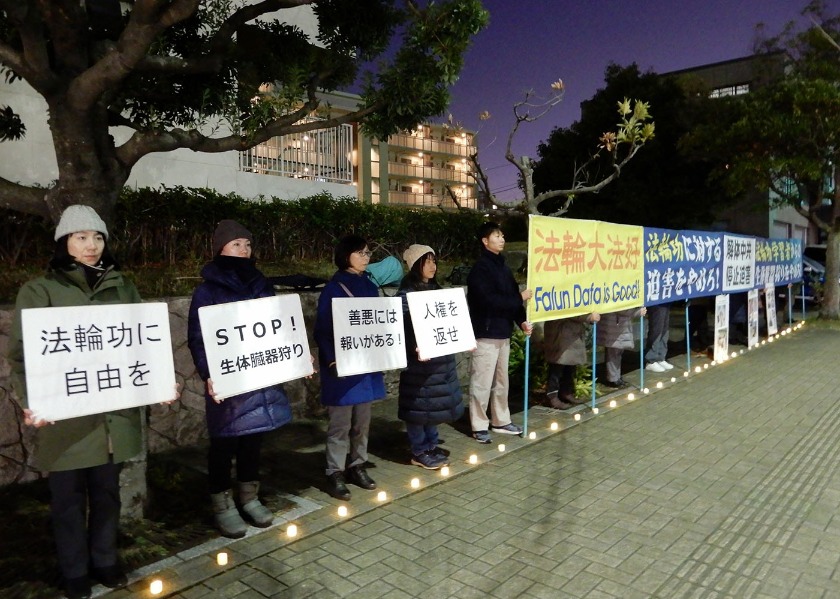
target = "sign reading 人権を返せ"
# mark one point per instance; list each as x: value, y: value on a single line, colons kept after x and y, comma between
x: 254, y: 344
x: 441, y: 322
x: 580, y: 266
x: 84, y: 360
x: 369, y: 335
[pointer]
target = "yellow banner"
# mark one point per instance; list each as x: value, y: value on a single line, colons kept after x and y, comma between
x: 580, y: 266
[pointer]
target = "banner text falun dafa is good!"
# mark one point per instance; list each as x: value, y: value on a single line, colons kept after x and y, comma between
x: 580, y: 266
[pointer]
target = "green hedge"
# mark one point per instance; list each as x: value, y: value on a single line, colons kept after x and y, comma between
x: 169, y: 226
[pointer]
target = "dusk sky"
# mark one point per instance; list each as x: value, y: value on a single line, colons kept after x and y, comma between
x: 531, y: 43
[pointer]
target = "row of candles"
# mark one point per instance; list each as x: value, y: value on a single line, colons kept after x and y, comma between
x: 156, y: 586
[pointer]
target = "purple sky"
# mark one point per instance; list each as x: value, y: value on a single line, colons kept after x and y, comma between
x: 531, y: 43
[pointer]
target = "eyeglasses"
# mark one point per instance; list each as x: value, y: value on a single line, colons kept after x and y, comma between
x: 364, y: 253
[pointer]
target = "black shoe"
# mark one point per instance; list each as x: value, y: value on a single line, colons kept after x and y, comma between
x: 77, y: 588
x: 444, y: 453
x: 616, y: 384
x: 575, y: 401
x: 112, y: 577
x: 359, y: 477
x: 559, y: 404
x: 337, y: 487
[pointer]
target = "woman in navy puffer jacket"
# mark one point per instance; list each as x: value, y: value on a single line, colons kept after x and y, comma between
x: 236, y: 424
x: 430, y: 392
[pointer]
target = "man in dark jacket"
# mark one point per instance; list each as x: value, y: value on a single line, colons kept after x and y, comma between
x: 496, y: 304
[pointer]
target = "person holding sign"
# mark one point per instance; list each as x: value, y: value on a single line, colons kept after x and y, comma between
x: 82, y: 455
x: 430, y: 392
x: 347, y: 398
x: 615, y: 334
x: 496, y: 304
x: 236, y: 425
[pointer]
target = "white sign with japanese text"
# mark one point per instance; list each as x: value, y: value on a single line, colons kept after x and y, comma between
x: 738, y: 263
x: 770, y: 309
x: 84, y: 360
x: 255, y: 344
x: 752, y: 318
x: 721, y: 327
x: 441, y: 322
x: 369, y: 334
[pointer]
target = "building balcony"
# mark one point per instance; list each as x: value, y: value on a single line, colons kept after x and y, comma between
x: 398, y: 170
x: 432, y: 146
x: 406, y: 198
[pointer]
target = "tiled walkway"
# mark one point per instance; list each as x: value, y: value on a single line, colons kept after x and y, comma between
x: 724, y: 484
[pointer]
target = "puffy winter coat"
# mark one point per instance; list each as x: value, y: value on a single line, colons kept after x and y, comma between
x: 345, y: 390
x: 430, y: 392
x: 85, y: 441
x: 493, y: 297
x: 564, y: 341
x: 253, y: 412
x: 616, y: 328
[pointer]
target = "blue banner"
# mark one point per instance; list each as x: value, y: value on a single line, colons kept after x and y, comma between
x: 778, y: 262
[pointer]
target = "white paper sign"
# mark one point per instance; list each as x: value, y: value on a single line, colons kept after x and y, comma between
x: 770, y: 309
x: 441, y: 322
x: 738, y: 263
x: 369, y: 334
x: 721, y: 327
x: 255, y: 344
x: 752, y: 318
x: 84, y: 360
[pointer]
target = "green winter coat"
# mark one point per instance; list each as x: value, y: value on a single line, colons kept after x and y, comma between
x: 85, y: 441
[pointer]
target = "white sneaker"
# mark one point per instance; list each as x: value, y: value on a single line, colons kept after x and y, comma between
x: 665, y: 365
x: 655, y: 367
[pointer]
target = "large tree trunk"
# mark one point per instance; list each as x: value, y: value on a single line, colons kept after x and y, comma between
x: 88, y: 170
x: 830, y: 307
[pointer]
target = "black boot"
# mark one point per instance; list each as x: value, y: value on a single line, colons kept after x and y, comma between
x: 337, y: 487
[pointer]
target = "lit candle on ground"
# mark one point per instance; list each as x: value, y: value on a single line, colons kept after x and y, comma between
x: 473, y: 459
x: 673, y: 379
x: 645, y: 390
x: 613, y: 403
x: 382, y: 496
x: 532, y: 435
x: 415, y: 483
x: 291, y: 531
x: 502, y: 447
x: 342, y: 511
x: 659, y: 385
x: 554, y: 426
x: 577, y: 417
x: 595, y: 411
x: 444, y: 471
x: 697, y: 369
x: 156, y: 588
x: 631, y: 396
x: 222, y: 558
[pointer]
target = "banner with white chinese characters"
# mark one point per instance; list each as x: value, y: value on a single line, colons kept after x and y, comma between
x: 580, y: 266
x: 369, y: 334
x: 770, y: 309
x: 254, y: 344
x: 441, y: 322
x: 738, y: 263
x: 84, y: 360
x: 681, y: 264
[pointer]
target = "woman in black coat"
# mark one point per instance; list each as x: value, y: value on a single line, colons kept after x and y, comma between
x: 430, y: 392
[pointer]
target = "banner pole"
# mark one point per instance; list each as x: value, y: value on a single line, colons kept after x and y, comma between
x: 687, y: 338
x: 642, y: 352
x: 594, y: 351
x: 527, y: 373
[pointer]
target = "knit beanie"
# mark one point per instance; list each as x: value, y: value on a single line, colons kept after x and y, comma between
x: 227, y: 231
x: 415, y: 252
x: 79, y: 217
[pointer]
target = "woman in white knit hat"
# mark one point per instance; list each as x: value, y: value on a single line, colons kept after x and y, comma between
x: 430, y: 392
x: 82, y: 455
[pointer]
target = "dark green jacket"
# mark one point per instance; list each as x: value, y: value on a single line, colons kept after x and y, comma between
x: 87, y: 440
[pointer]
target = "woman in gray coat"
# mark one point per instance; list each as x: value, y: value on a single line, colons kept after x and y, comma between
x: 615, y: 334
x: 565, y: 348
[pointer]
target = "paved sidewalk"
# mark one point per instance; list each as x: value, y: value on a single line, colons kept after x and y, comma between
x: 722, y: 484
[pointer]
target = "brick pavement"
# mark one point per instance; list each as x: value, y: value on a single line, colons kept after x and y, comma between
x: 721, y: 485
